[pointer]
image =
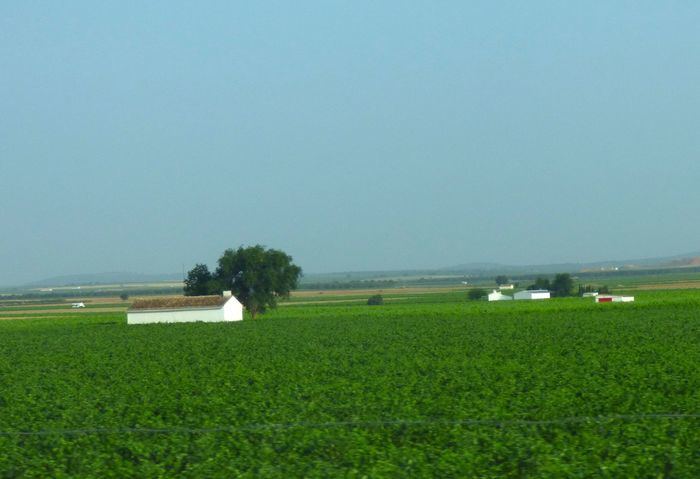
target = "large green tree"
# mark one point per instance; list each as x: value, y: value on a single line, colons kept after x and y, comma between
x: 257, y: 276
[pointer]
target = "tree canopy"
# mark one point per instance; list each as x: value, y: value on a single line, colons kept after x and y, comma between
x: 257, y: 276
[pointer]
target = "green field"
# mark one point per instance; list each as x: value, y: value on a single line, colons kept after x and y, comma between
x: 427, y: 386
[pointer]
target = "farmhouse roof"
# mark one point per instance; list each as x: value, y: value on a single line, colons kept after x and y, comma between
x: 179, y: 302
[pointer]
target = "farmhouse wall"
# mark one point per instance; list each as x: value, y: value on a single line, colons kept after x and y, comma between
x: 175, y: 316
x: 233, y: 310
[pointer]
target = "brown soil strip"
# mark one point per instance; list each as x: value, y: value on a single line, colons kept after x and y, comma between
x: 329, y: 301
x: 343, y: 292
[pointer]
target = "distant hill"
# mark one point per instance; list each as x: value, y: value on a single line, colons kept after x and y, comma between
x: 103, y: 278
x: 677, y: 261
x: 685, y: 262
x: 476, y: 267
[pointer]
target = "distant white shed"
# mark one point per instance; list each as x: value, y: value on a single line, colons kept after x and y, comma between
x: 532, y: 294
x: 498, y: 296
x: 613, y: 299
x: 185, y: 309
x: 506, y: 286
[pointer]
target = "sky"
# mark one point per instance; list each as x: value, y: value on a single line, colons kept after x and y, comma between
x: 354, y: 135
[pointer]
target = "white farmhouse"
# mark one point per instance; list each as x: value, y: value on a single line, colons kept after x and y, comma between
x: 185, y: 309
x: 532, y: 294
x: 498, y: 296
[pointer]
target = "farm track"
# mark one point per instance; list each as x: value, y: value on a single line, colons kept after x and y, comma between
x: 19, y: 314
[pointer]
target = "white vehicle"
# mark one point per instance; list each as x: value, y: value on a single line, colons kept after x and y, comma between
x: 77, y: 305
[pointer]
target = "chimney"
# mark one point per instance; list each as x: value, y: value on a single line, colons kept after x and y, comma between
x: 227, y: 294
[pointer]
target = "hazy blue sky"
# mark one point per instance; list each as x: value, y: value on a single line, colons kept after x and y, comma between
x: 138, y: 136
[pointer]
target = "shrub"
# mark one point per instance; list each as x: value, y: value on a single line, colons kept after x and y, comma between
x: 375, y: 300
x: 476, y: 294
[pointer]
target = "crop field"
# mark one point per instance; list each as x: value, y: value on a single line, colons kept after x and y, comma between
x: 425, y: 386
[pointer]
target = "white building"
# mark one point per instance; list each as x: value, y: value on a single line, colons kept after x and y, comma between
x: 532, y: 294
x: 613, y: 299
x: 506, y: 286
x: 185, y: 309
x: 498, y: 296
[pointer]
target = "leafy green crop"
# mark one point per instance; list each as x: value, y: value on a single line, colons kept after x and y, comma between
x: 350, y: 390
